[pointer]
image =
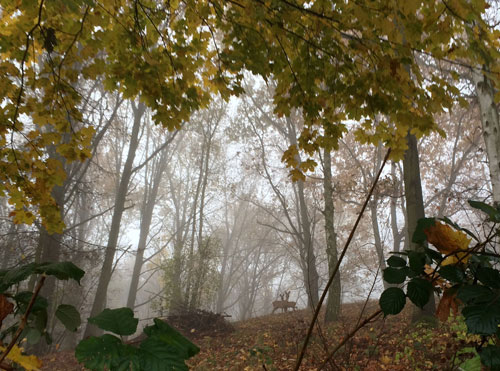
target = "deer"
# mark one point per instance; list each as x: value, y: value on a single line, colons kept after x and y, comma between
x: 284, y: 304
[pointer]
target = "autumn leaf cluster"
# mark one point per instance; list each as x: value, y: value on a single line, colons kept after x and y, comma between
x: 337, y: 62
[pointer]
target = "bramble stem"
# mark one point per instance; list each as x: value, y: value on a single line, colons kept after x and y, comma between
x: 337, y: 266
x: 24, y: 320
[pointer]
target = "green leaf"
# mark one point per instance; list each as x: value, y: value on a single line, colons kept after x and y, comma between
x: 392, y: 301
x: 489, y: 277
x: 433, y: 255
x: 396, y: 261
x: 419, y: 291
x: 23, y: 299
x: 48, y: 338
x: 165, y: 347
x: 105, y: 352
x: 475, y: 294
x: 452, y: 273
x: 40, y: 320
x: 422, y: 224
x: 490, y: 357
x: 69, y: 316
x: 482, y: 319
x: 395, y: 275
x: 493, y: 213
x: 62, y: 270
x: 120, y: 321
x: 16, y: 275
x: 417, y: 261
x: 33, y: 336
x: 169, y: 335
x: 472, y: 364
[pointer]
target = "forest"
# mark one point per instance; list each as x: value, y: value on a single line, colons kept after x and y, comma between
x: 249, y: 185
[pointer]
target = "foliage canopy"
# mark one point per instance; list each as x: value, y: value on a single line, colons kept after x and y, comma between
x: 335, y: 61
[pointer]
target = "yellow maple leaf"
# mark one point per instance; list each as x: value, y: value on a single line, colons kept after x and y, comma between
x: 448, y: 241
x: 30, y: 363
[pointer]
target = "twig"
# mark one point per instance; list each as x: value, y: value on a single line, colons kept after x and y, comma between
x: 330, y: 281
x: 24, y: 320
x: 350, y: 335
x: 6, y: 367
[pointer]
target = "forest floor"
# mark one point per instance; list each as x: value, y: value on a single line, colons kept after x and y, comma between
x: 272, y: 342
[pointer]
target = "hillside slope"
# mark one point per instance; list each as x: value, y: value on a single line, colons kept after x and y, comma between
x: 272, y: 342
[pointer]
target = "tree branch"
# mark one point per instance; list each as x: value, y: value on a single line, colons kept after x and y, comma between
x: 24, y: 320
x: 337, y: 266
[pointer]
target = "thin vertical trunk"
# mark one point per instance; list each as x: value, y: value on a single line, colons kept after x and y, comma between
x: 49, y: 247
x: 311, y: 273
x: 373, y: 205
x: 181, y: 229
x: 194, y: 300
x: 396, y: 234
x: 194, y: 213
x: 73, y: 292
x: 379, y: 248
x: 222, y: 282
x: 414, y: 207
x: 107, y: 267
x: 334, y: 295
x: 486, y: 91
x: 8, y: 249
x: 149, y: 202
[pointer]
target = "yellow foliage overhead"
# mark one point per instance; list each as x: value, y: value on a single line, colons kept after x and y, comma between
x: 333, y: 61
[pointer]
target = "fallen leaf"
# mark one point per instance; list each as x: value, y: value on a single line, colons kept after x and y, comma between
x: 30, y: 363
x: 385, y: 359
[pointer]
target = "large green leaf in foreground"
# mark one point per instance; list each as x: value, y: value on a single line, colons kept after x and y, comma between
x: 163, y: 349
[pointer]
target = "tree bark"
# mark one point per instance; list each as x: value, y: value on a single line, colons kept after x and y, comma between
x: 486, y: 91
x: 373, y: 205
x: 181, y: 230
x: 107, y: 267
x: 414, y: 208
x: 334, y: 300
x: 396, y: 234
x: 148, y: 206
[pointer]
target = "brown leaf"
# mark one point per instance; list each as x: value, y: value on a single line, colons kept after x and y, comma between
x: 448, y: 302
x: 6, y: 308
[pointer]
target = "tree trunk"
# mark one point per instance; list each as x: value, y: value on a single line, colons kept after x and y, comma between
x: 190, y: 263
x: 8, y: 249
x: 379, y: 248
x: 414, y: 208
x: 73, y: 292
x: 373, y: 205
x: 193, y: 301
x: 107, y: 267
x: 485, y: 91
x: 311, y: 273
x: 181, y: 228
x: 396, y: 234
x: 312, y: 276
x: 334, y: 295
x: 149, y: 202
